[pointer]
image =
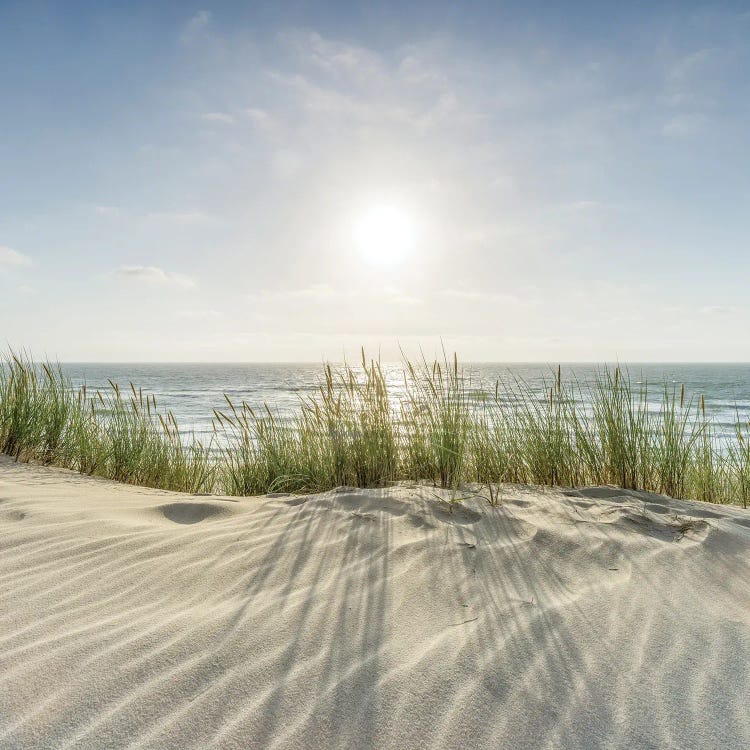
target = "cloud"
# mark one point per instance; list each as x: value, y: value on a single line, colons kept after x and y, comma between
x: 259, y: 117
x: 195, y: 25
x: 333, y: 56
x: 194, y: 315
x: 285, y: 163
x: 107, y: 210
x: 10, y: 258
x: 581, y: 205
x: 178, y: 217
x: 718, y: 310
x: 324, y: 294
x: 318, y: 99
x: 369, y: 106
x: 221, y: 117
x: 314, y: 292
x: 413, y: 69
x: 493, y: 298
x: 154, y: 275
x: 695, y: 64
x: 684, y: 125
x: 363, y: 87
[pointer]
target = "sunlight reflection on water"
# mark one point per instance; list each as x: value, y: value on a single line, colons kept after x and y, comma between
x: 193, y: 391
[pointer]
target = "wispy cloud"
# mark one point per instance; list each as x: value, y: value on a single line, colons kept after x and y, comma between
x: 333, y: 56
x: 327, y: 294
x: 195, y: 25
x: 494, y: 298
x: 391, y: 103
x: 154, y: 275
x: 314, y: 292
x: 107, y: 210
x: 695, y: 65
x: 199, y: 315
x: 333, y: 78
x: 178, y: 217
x: 684, y: 125
x: 581, y: 205
x: 10, y: 258
x: 719, y: 310
x: 259, y: 117
x: 285, y: 163
x: 221, y: 117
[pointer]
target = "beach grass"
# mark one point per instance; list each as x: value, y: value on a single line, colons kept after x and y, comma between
x: 443, y: 429
x: 106, y: 433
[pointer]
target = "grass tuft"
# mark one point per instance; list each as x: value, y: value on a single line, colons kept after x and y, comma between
x: 107, y: 434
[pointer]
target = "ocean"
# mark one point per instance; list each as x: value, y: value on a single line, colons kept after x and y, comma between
x: 193, y: 391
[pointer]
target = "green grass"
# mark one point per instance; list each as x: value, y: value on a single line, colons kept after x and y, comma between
x: 434, y: 423
x: 443, y: 429
x: 106, y: 434
x: 345, y: 434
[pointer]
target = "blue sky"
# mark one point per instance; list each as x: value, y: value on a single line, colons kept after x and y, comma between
x: 184, y: 182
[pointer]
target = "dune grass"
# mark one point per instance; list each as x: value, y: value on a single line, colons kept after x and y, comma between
x: 107, y: 434
x: 442, y: 429
x: 342, y: 435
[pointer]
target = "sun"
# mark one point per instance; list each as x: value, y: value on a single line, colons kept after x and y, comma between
x: 384, y: 235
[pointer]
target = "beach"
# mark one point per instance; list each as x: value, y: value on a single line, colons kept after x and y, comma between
x: 369, y: 618
x: 375, y: 375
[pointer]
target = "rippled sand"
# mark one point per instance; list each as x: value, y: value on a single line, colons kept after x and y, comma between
x: 369, y: 619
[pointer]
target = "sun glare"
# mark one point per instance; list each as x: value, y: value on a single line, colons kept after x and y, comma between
x: 384, y: 235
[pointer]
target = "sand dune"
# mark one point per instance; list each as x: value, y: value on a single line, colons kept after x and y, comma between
x: 369, y: 619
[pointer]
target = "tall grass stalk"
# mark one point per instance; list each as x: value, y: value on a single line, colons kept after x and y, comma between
x: 44, y: 419
x: 436, y: 422
x: 739, y: 462
x: 345, y: 434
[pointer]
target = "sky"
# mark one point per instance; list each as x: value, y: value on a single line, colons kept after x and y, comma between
x: 537, y: 181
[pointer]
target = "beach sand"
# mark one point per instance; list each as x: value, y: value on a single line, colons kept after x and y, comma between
x: 596, y: 618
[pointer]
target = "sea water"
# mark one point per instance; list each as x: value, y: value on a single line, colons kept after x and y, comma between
x: 193, y: 391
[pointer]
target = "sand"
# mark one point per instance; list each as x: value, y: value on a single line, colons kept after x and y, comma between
x: 369, y: 619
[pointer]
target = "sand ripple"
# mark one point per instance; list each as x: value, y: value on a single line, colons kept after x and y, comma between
x: 369, y: 619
